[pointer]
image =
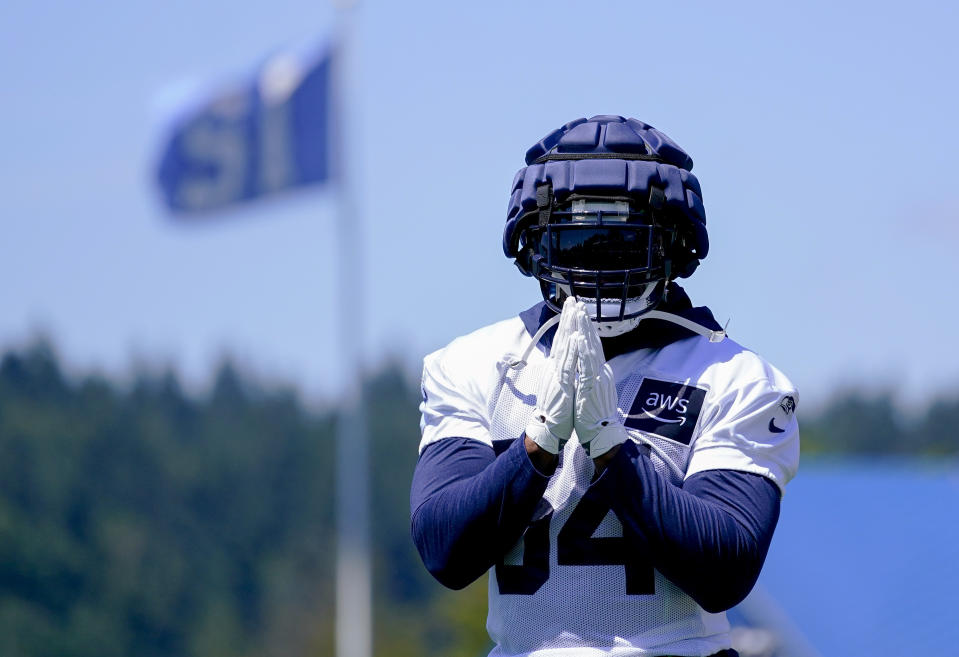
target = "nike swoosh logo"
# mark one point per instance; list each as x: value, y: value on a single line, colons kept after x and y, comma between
x: 647, y: 415
x: 773, y: 428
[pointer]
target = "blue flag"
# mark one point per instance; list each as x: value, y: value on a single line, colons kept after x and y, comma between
x: 251, y: 140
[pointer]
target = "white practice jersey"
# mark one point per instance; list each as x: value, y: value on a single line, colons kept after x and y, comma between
x: 569, y: 588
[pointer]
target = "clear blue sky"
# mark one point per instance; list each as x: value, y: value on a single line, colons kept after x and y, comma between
x: 823, y: 133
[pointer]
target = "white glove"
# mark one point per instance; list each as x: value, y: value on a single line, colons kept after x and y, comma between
x: 552, y: 421
x: 597, y: 422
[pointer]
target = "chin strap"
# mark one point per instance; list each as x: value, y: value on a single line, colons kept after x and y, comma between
x: 547, y: 325
x: 711, y: 335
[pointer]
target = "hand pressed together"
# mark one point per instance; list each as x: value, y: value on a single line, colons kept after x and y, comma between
x: 596, y: 416
x: 552, y: 423
x: 577, y: 390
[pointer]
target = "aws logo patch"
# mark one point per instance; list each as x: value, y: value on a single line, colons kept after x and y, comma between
x: 666, y: 409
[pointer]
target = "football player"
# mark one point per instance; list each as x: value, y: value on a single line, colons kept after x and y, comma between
x: 610, y: 454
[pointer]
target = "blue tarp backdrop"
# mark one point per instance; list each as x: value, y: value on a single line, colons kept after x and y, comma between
x: 252, y: 139
x: 864, y: 560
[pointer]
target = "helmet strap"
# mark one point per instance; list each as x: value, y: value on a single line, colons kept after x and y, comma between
x: 669, y: 266
x: 657, y: 198
x: 544, y: 203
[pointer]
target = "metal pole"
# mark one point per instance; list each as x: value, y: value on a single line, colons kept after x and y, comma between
x: 354, y: 623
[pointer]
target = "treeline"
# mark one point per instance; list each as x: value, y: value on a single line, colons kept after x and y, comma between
x: 136, y: 519
x: 870, y: 424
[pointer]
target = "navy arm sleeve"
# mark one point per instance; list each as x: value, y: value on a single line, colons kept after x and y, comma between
x: 709, y: 537
x: 469, y: 506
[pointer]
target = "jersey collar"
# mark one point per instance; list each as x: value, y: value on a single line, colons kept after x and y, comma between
x: 650, y: 334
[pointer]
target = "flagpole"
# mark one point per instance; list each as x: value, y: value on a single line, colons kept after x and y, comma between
x: 354, y: 617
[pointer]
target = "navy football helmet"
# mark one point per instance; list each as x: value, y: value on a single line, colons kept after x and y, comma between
x: 606, y: 210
